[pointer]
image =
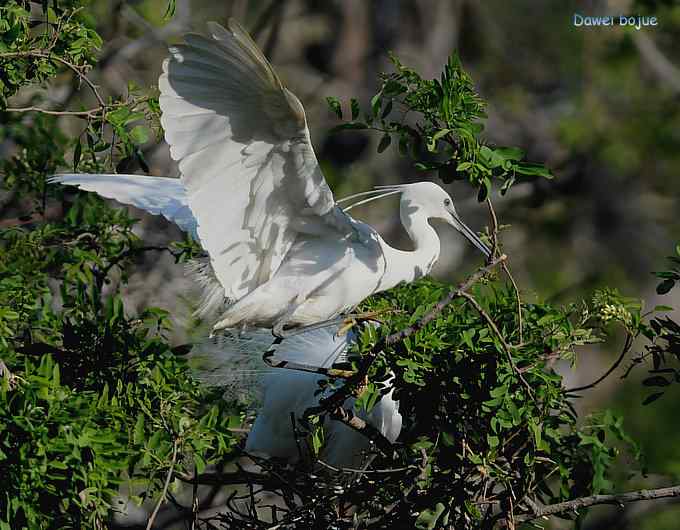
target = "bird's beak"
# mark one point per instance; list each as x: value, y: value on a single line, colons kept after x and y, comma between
x: 465, y: 230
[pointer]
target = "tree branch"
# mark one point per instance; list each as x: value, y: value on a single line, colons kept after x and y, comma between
x: 173, y: 461
x: 584, y: 502
x: 504, y: 266
x: 91, y: 113
x: 624, y: 351
x: 354, y: 422
x: 505, y: 345
x: 46, y: 55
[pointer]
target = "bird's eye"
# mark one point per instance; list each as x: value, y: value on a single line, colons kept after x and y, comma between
x: 447, y: 202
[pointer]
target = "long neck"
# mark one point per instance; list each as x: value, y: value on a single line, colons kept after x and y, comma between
x: 402, y: 265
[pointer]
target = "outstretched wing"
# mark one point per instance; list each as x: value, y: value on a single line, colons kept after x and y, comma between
x: 245, y: 156
x: 156, y: 195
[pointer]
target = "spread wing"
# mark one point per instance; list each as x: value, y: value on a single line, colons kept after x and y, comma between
x: 156, y: 195
x: 252, y: 178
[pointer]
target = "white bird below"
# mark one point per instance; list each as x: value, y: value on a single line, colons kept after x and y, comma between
x: 228, y: 361
x: 282, y: 252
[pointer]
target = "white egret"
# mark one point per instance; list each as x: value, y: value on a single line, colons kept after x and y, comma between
x: 227, y: 360
x: 282, y: 252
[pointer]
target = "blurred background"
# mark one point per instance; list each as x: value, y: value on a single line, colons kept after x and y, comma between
x: 600, y: 106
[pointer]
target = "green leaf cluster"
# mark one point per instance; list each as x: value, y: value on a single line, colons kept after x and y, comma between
x: 438, y: 124
x: 464, y: 404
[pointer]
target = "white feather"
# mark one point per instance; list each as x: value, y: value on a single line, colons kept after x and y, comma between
x: 234, y: 362
x: 156, y: 195
x: 244, y: 153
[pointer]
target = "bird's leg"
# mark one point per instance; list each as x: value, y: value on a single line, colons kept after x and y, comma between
x: 351, y: 319
x: 346, y: 322
x: 279, y: 332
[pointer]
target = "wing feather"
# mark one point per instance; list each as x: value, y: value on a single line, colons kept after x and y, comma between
x: 241, y: 139
x: 156, y: 195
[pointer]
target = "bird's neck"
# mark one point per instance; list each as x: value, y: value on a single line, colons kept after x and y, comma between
x: 410, y: 265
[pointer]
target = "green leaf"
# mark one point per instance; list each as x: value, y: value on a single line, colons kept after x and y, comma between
x: 386, y: 111
x: 490, y: 157
x: 170, y: 10
x: 537, y: 170
x: 334, y: 105
x: 376, y: 103
x: 510, y: 153
x: 429, y: 518
x: 652, y: 398
x: 354, y: 104
x: 656, y: 380
x: 199, y: 463
x: 665, y: 286
x: 484, y: 189
x: 77, y: 152
x: 118, y: 116
x: 138, y: 434
x: 385, y: 142
x: 139, y: 134
x: 432, y: 145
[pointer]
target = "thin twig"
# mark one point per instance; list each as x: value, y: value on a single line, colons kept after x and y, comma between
x: 495, y: 329
x: 195, y: 503
x: 363, y: 471
x: 494, y: 227
x: 173, y: 461
x: 91, y: 113
x: 626, y: 348
x: 618, y: 499
x: 51, y: 57
x: 506, y: 269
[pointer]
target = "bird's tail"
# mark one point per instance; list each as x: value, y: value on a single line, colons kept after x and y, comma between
x: 234, y: 360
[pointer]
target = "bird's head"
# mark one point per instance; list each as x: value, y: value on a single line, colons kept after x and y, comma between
x: 435, y: 203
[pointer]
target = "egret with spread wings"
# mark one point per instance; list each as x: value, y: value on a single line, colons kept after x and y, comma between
x: 282, y: 253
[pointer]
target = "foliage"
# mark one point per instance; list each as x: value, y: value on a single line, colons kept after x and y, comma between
x: 92, y: 398
x: 663, y: 336
x: 438, y: 124
x: 484, y: 436
x: 96, y: 398
x: 33, y: 50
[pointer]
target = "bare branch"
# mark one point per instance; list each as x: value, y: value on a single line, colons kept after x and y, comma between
x: 504, y: 266
x: 354, y: 422
x: 173, y: 461
x: 626, y: 348
x: 618, y: 499
x: 91, y: 113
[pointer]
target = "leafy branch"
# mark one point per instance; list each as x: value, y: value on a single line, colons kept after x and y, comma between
x: 438, y: 125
